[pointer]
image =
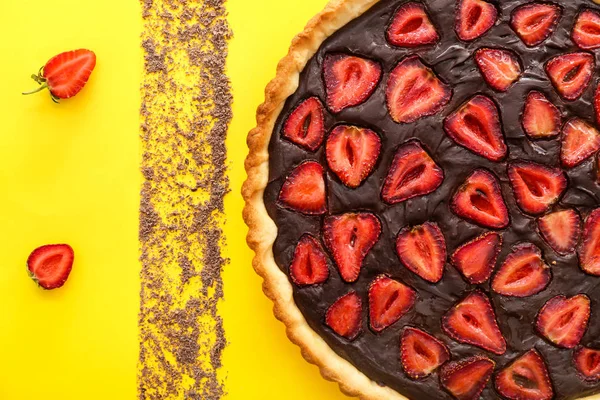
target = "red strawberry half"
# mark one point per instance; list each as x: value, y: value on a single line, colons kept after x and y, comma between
x: 589, y: 249
x: 309, y: 265
x: 466, y: 379
x: 523, y: 273
x: 304, y: 189
x: 352, y: 153
x: 474, y: 18
x: 422, y: 249
x: 473, y: 321
x: 526, y: 378
x: 414, y: 91
x: 476, y: 259
x: 50, y: 265
x: 536, y: 186
x: 421, y: 353
x: 571, y: 73
x: 389, y: 300
x: 412, y: 173
x: 411, y: 27
x: 561, y: 230
x: 587, y: 362
x: 580, y: 141
x: 480, y: 200
x: 349, y: 80
x: 563, y: 321
x: 349, y: 237
x: 534, y: 22
x: 305, y: 126
x: 541, y: 119
x: 476, y: 126
x: 586, y: 32
x: 344, y: 316
x: 500, y: 68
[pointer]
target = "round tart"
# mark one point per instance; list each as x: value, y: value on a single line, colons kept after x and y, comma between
x: 423, y: 198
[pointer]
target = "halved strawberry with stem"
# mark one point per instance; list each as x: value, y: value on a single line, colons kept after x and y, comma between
x: 349, y: 80
x: 476, y: 126
x: 561, y: 230
x: 580, y: 141
x: 526, y: 378
x: 536, y: 187
x: 349, y: 237
x: 587, y: 362
x: 352, y: 153
x: 421, y: 353
x: 476, y: 259
x: 541, y: 119
x: 466, y: 379
x: 304, y: 189
x: 563, y: 321
x: 411, y: 27
x: 500, y: 68
x: 586, y: 32
x: 523, y: 273
x: 344, y: 316
x: 589, y: 249
x: 479, y: 200
x: 412, y: 173
x: 306, y: 124
x: 473, y: 321
x: 50, y: 265
x: 309, y: 265
x: 474, y: 18
x: 571, y: 73
x: 422, y: 249
x: 535, y: 22
x: 389, y: 300
x: 414, y: 91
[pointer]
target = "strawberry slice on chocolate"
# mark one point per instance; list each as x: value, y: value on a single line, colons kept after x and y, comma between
x: 421, y: 353
x: 586, y: 32
x: 304, y: 189
x: 352, y: 153
x: 466, y: 379
x: 580, y: 141
x: 309, y: 265
x: 344, y: 316
x: 306, y: 124
x: 349, y: 237
x: 536, y: 187
x: 541, y: 119
x: 349, y: 80
x: 523, y: 273
x: 411, y: 27
x: 474, y: 18
x: 414, y: 91
x: 571, y: 73
x: 535, y: 22
x: 589, y: 249
x: 526, y: 378
x: 389, y: 300
x: 422, y: 249
x: 500, y: 68
x: 476, y: 126
x: 563, y: 321
x: 479, y: 200
x: 587, y: 362
x: 476, y: 259
x: 473, y: 321
x: 412, y: 173
x: 561, y: 230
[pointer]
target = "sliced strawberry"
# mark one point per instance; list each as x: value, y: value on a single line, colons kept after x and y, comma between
x: 50, y: 265
x: 349, y: 80
x: 587, y: 362
x: 422, y: 249
x: 589, y: 249
x: 580, y: 141
x: 421, y: 353
x: 466, y: 379
x: 411, y: 27
x: 352, y: 153
x: 534, y: 22
x: 474, y: 18
x: 414, y: 91
x: 480, y: 200
x: 561, y: 230
x: 476, y: 126
x: 306, y: 126
x: 541, y: 119
x: 523, y: 273
x: 536, y: 186
x: 309, y: 265
x: 344, y: 316
x: 571, y: 73
x: 586, y: 32
x: 304, y: 189
x: 500, y: 68
x: 563, y: 321
x: 526, y: 378
x: 412, y: 173
x: 349, y: 237
x: 476, y: 259
x: 389, y: 300
x: 473, y: 321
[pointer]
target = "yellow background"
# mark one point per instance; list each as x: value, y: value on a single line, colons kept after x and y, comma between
x: 70, y: 173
